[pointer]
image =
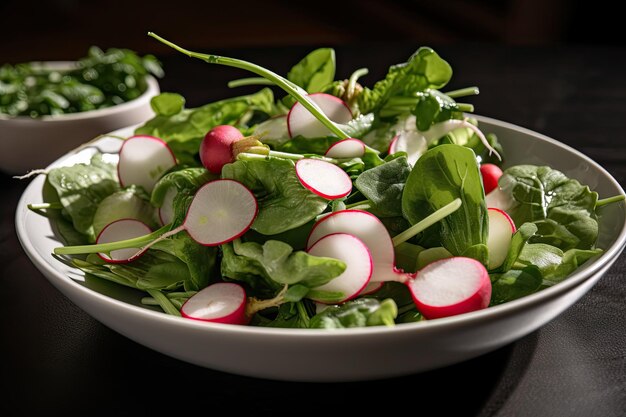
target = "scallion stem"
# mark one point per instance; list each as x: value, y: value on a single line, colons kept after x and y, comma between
x: 463, y: 92
x: 427, y: 221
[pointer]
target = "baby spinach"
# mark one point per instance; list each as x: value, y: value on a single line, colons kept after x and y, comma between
x: 130, y: 203
x: 514, y: 284
x: 283, y: 202
x: 562, y: 208
x: 383, y: 186
x: 441, y: 175
x: 360, y: 312
x: 315, y: 71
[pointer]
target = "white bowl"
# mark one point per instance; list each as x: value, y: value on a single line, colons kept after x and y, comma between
x: 28, y: 143
x: 346, y: 354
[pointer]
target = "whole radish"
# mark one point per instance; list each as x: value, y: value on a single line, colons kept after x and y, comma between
x: 216, y: 147
x: 490, y: 173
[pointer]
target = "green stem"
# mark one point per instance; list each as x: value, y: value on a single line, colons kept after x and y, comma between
x: 610, y: 200
x: 427, y: 221
x: 304, y: 315
x: 136, y: 242
x: 249, y: 81
x: 296, y: 92
x: 164, y: 302
x: 45, y: 206
x: 353, y: 78
x: 465, y: 107
x: 362, y: 205
x: 247, y: 156
x: 463, y: 92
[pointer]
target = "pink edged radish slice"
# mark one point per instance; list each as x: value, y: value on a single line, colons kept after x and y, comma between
x: 121, y: 230
x: 411, y: 142
x: 143, y: 160
x: 301, y: 122
x: 273, y: 129
x: 323, y: 178
x: 501, y: 230
x: 347, y: 148
x: 221, y: 211
x: 216, y: 147
x: 490, y: 174
x: 371, y: 288
x: 451, y: 286
x: 222, y: 302
x: 353, y: 252
x: 371, y: 231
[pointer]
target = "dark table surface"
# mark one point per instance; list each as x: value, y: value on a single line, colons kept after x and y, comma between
x: 57, y: 360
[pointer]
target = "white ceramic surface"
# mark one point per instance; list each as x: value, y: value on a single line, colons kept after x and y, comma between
x: 348, y: 354
x: 27, y: 143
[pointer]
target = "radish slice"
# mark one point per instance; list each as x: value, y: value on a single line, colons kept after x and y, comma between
x: 221, y: 211
x: 222, y: 302
x: 411, y: 142
x: 347, y: 148
x: 501, y: 230
x: 323, y: 178
x: 371, y: 231
x: 121, y: 230
x: 371, y: 288
x: 301, y: 122
x: 354, y: 253
x: 451, y: 286
x: 273, y: 130
x: 143, y: 160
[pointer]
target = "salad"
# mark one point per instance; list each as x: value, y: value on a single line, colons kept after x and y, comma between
x: 321, y: 203
x: 100, y: 79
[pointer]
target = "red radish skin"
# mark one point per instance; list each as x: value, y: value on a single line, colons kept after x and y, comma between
x: 501, y: 230
x: 372, y: 232
x: 323, y: 178
x: 300, y: 121
x: 450, y: 287
x: 490, y: 174
x: 143, y: 160
x: 122, y: 229
x: 222, y: 302
x: 353, y: 252
x: 216, y: 147
x: 346, y: 148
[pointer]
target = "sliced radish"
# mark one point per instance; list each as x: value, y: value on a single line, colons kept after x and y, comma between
x: 301, y: 122
x: 411, y: 142
x: 121, y: 230
x: 451, y: 286
x: 490, y: 174
x: 353, y: 252
x: 371, y: 231
x: 371, y: 288
x: 347, y: 148
x: 222, y: 302
x: 501, y: 230
x: 143, y: 160
x: 323, y: 178
x: 221, y: 211
x: 216, y: 147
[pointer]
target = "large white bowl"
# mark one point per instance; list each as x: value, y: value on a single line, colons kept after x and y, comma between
x: 28, y: 143
x: 348, y: 354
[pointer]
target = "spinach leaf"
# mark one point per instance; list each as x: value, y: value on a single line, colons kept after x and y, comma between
x: 518, y: 241
x: 360, y: 312
x: 130, y: 203
x: 315, y: 71
x: 185, y: 130
x: 515, y: 284
x: 167, y: 104
x: 562, y: 208
x: 441, y: 175
x: 276, y: 261
x: 284, y: 203
x: 81, y: 188
x: 423, y: 70
x: 289, y: 315
x: 432, y: 107
x: 383, y: 186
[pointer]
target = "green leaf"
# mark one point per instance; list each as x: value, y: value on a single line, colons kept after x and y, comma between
x: 284, y: 203
x: 129, y: 203
x: 521, y: 236
x: 277, y: 261
x: 441, y: 175
x: 515, y: 284
x: 360, y: 312
x: 424, y: 70
x: 167, y: 104
x: 383, y: 186
x: 315, y: 71
x: 433, y: 107
x: 562, y: 208
x: 81, y: 188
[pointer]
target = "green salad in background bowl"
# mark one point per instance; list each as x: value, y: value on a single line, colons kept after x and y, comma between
x: 335, y: 220
x: 54, y: 105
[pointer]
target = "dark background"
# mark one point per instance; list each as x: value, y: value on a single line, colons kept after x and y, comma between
x: 64, y: 29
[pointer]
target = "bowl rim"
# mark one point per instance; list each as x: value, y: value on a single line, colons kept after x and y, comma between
x: 152, y: 89
x: 431, y: 326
